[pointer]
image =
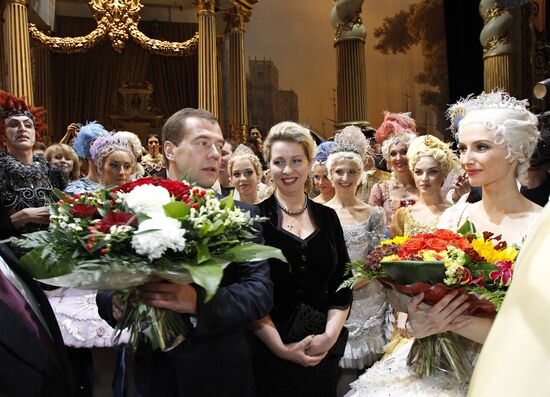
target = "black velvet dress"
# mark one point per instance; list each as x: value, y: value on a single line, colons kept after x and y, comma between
x: 314, y: 273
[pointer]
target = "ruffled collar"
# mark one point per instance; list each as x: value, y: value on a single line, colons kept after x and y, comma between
x: 38, y: 169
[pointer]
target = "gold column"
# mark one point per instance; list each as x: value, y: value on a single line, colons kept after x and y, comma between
x: 497, y: 46
x: 351, y: 85
x: 208, y: 66
x: 236, y: 18
x: 17, y: 50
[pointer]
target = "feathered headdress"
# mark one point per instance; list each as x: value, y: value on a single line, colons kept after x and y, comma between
x: 11, y: 105
x: 394, y: 124
x: 323, y: 150
x: 86, y: 136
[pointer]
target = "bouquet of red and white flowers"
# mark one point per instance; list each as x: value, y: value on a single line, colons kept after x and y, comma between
x: 478, y: 264
x: 148, y: 230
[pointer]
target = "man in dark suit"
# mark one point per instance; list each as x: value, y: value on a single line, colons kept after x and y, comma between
x: 215, y: 359
x: 33, y: 360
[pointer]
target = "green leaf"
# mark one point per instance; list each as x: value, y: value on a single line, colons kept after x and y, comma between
x: 176, y: 209
x: 228, y: 202
x: 203, y: 253
x: 33, y: 262
x: 248, y: 252
x: 59, y: 193
x: 467, y: 228
x: 410, y: 272
x: 208, y: 275
x: 485, y: 268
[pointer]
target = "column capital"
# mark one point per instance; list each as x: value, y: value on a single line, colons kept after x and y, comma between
x: 236, y: 17
x: 21, y: 2
x: 206, y: 7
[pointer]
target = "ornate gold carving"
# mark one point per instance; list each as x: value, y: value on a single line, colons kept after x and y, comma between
x: 236, y: 17
x: 494, y: 12
x: 347, y: 24
x: 206, y: 6
x: 117, y: 20
x: 494, y: 41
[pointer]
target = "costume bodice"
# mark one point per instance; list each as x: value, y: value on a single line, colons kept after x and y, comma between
x: 412, y: 226
x: 364, y: 236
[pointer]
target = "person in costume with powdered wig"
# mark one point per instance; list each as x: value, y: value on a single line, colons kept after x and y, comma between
x: 395, y: 134
x: 364, y: 226
x: 497, y: 135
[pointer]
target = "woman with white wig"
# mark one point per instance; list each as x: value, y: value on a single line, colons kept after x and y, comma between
x: 364, y: 226
x: 497, y: 136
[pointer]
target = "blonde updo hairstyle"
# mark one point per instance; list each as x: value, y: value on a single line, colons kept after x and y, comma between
x: 350, y: 144
x: 243, y: 152
x: 513, y: 125
x: 430, y: 146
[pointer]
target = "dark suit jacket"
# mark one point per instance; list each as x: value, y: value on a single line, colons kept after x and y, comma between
x: 216, y: 358
x: 26, y: 367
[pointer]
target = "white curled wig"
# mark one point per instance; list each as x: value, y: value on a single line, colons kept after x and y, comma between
x: 513, y: 124
x: 405, y: 138
x: 430, y: 146
x: 349, y: 144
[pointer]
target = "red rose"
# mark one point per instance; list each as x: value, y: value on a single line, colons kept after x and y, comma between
x: 436, y: 244
x: 116, y: 219
x: 178, y: 189
x: 83, y: 210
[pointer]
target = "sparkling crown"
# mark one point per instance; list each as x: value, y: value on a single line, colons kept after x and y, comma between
x: 497, y: 99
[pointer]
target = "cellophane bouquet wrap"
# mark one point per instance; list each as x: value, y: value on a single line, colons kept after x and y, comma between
x: 478, y: 264
x: 144, y: 231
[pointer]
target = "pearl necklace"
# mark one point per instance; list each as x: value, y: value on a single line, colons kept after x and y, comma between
x: 289, y: 212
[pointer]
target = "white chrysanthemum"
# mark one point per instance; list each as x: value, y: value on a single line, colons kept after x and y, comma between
x: 148, y: 199
x: 162, y: 233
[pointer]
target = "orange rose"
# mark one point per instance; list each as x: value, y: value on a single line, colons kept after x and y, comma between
x: 461, y: 243
x: 413, y: 245
x: 445, y: 234
x: 437, y: 244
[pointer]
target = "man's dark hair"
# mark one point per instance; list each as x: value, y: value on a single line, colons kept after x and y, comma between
x: 174, y: 128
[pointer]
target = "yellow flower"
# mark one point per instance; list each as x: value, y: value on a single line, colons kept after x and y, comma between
x: 396, y: 240
x: 390, y: 258
x: 432, y: 256
x: 487, y: 249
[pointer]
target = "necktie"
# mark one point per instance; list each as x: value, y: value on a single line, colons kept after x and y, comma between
x: 13, y: 298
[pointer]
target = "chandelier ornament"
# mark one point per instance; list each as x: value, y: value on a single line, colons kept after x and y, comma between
x: 117, y: 21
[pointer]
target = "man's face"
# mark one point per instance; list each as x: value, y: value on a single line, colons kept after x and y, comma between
x: 19, y: 133
x: 198, y: 155
x: 256, y: 135
x: 227, y: 152
x: 153, y: 146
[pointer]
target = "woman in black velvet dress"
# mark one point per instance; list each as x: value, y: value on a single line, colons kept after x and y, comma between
x: 304, y: 336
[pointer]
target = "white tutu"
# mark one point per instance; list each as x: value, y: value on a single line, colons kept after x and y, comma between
x: 392, y: 377
x: 78, y: 318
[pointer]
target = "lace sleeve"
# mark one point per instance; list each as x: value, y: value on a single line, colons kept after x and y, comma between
x: 377, y: 227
